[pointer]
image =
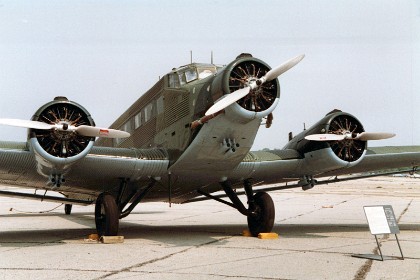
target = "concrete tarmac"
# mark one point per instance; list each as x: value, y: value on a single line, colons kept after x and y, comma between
x: 319, y: 230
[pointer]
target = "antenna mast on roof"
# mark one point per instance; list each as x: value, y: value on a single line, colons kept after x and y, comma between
x: 211, y: 58
x: 191, y: 56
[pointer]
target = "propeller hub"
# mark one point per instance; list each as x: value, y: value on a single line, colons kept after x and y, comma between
x: 65, y: 126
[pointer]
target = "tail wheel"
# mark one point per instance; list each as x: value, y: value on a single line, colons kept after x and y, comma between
x: 263, y: 220
x: 106, y: 215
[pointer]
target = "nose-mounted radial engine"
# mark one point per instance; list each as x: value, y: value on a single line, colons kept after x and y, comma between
x: 246, y: 74
x: 61, y: 133
x: 250, y: 89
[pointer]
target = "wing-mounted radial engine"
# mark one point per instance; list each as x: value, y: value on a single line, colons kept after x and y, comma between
x: 247, y: 88
x: 336, y: 141
x: 61, y: 133
x: 58, y: 148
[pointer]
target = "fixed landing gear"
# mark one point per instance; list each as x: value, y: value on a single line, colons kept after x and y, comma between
x: 107, y: 215
x: 110, y: 209
x: 262, y: 216
x: 260, y: 211
x: 67, y: 208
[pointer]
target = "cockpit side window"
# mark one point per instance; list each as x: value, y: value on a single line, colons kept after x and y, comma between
x: 182, y: 80
x: 173, y: 80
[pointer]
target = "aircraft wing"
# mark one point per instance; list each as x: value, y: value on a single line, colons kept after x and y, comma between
x: 287, y: 165
x: 378, y: 159
x: 100, y: 170
x: 385, y: 159
x: 270, y: 168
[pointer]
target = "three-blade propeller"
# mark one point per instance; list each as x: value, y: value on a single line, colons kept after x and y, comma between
x: 83, y: 130
x: 240, y: 93
x: 364, y: 136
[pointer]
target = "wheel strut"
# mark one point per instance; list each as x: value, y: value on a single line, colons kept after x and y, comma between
x: 227, y: 187
x: 260, y: 210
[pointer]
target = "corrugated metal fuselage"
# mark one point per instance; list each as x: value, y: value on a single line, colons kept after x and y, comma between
x: 197, y: 157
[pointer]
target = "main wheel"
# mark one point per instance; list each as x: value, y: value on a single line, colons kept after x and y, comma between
x: 263, y: 220
x: 67, y: 208
x: 106, y: 215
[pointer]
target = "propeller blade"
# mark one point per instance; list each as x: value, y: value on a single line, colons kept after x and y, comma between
x: 325, y: 137
x: 275, y: 72
x: 93, y: 131
x: 228, y: 100
x: 366, y: 136
x: 26, y: 124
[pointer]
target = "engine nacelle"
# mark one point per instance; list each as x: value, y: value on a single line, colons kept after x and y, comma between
x: 56, y: 150
x: 260, y: 102
x: 330, y: 155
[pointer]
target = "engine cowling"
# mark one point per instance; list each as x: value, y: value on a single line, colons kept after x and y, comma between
x: 56, y: 150
x: 322, y: 156
x: 240, y: 73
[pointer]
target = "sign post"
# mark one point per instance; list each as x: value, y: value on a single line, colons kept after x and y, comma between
x: 381, y: 220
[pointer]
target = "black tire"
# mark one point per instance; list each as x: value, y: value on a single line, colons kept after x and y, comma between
x: 263, y: 221
x: 107, y: 215
x: 67, y: 208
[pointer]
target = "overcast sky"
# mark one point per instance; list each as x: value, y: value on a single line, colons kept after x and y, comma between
x: 362, y: 57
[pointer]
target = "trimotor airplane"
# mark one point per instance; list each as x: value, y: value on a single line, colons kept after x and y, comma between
x: 187, y: 137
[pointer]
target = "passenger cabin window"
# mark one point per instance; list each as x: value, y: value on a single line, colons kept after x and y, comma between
x: 159, y: 105
x: 137, y: 120
x: 128, y: 126
x: 148, y: 112
x: 117, y: 141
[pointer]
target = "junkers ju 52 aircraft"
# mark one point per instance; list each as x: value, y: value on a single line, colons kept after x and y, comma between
x: 187, y: 137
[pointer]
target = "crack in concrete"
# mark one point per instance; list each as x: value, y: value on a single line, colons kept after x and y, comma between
x: 216, y: 275
x: 128, y: 269
x: 315, y: 210
x: 52, y: 269
x: 366, y: 267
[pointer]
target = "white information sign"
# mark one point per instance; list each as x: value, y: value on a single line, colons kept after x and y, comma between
x: 377, y: 220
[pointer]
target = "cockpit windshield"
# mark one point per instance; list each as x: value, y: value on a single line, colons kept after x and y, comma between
x: 190, y: 73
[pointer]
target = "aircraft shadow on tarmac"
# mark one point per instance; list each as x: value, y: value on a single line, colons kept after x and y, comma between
x: 173, y: 235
